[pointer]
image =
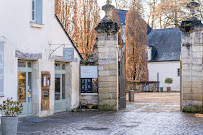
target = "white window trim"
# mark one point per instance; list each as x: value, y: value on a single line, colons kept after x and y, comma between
x: 36, y: 25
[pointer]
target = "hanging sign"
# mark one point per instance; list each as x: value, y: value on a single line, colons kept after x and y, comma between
x: 68, y: 54
x: 1, y: 69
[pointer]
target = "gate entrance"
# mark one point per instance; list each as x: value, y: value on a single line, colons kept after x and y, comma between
x: 122, y: 81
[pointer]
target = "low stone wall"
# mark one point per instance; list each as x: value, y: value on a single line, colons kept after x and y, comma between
x: 89, y: 99
x: 148, y: 86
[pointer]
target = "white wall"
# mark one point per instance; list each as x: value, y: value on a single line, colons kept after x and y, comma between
x: 165, y: 70
x: 15, y: 25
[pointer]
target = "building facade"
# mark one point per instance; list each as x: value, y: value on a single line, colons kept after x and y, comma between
x: 33, y: 70
x: 164, y: 57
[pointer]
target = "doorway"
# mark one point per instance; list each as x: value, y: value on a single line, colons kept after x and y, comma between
x: 60, y: 87
x: 25, y: 86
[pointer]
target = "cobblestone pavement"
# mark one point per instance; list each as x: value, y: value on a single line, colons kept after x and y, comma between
x: 148, y: 118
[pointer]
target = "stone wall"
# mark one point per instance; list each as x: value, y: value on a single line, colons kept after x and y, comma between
x: 192, y: 68
x: 108, y: 71
x: 89, y: 99
x: 149, y: 86
x: 108, y: 61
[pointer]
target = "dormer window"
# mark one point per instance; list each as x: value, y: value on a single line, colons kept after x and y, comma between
x: 36, y: 11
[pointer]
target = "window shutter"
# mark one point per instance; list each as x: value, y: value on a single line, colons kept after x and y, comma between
x: 39, y: 11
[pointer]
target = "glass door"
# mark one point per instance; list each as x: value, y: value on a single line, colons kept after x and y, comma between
x: 60, y: 88
x: 57, y: 86
x: 25, y: 87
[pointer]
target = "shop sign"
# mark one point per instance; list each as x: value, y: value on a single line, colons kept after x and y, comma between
x: 89, y: 72
x: 68, y: 54
x: 2, y: 69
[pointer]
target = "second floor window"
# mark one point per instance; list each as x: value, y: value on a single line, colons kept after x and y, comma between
x: 34, y: 10
x: 37, y: 11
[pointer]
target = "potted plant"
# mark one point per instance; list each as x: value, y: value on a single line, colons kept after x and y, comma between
x: 10, y: 110
x: 89, y: 106
x: 169, y: 81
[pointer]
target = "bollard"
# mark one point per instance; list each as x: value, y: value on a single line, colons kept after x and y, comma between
x: 131, y: 95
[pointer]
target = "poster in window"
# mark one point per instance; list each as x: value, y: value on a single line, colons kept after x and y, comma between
x: 86, y: 85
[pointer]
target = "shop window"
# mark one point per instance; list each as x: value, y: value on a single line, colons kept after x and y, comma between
x: 22, y: 86
x: 57, y: 86
x: 63, y: 87
x: 57, y: 66
x: 63, y: 67
x: 21, y: 64
x: 29, y: 64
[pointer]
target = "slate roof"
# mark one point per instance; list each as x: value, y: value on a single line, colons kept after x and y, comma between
x: 122, y: 16
x: 166, y: 44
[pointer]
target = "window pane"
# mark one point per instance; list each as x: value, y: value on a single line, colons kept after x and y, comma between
x: 57, y: 86
x: 33, y: 4
x: 29, y: 64
x: 63, y: 67
x: 29, y: 87
x: 33, y: 9
x: 22, y: 86
x: 21, y: 64
x: 57, y: 66
x: 63, y: 87
x: 33, y: 15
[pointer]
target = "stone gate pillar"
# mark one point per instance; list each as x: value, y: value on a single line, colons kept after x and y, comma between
x: 108, y: 61
x: 192, y: 63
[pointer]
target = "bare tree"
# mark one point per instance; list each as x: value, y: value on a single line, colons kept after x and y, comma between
x: 136, y: 42
x: 121, y: 4
x: 79, y: 18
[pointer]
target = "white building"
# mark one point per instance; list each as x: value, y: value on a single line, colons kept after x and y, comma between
x: 34, y: 72
x: 164, y: 57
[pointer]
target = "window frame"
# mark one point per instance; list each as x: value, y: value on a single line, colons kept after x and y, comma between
x: 34, y: 10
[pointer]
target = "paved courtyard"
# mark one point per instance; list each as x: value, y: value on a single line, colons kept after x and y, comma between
x: 151, y: 114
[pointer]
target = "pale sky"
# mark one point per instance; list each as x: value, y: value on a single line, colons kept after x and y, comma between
x: 103, y: 2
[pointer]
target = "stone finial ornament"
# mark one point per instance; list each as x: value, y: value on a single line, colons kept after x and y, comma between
x: 193, y: 21
x: 192, y: 6
x: 108, y: 2
x: 108, y: 11
x: 107, y: 24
